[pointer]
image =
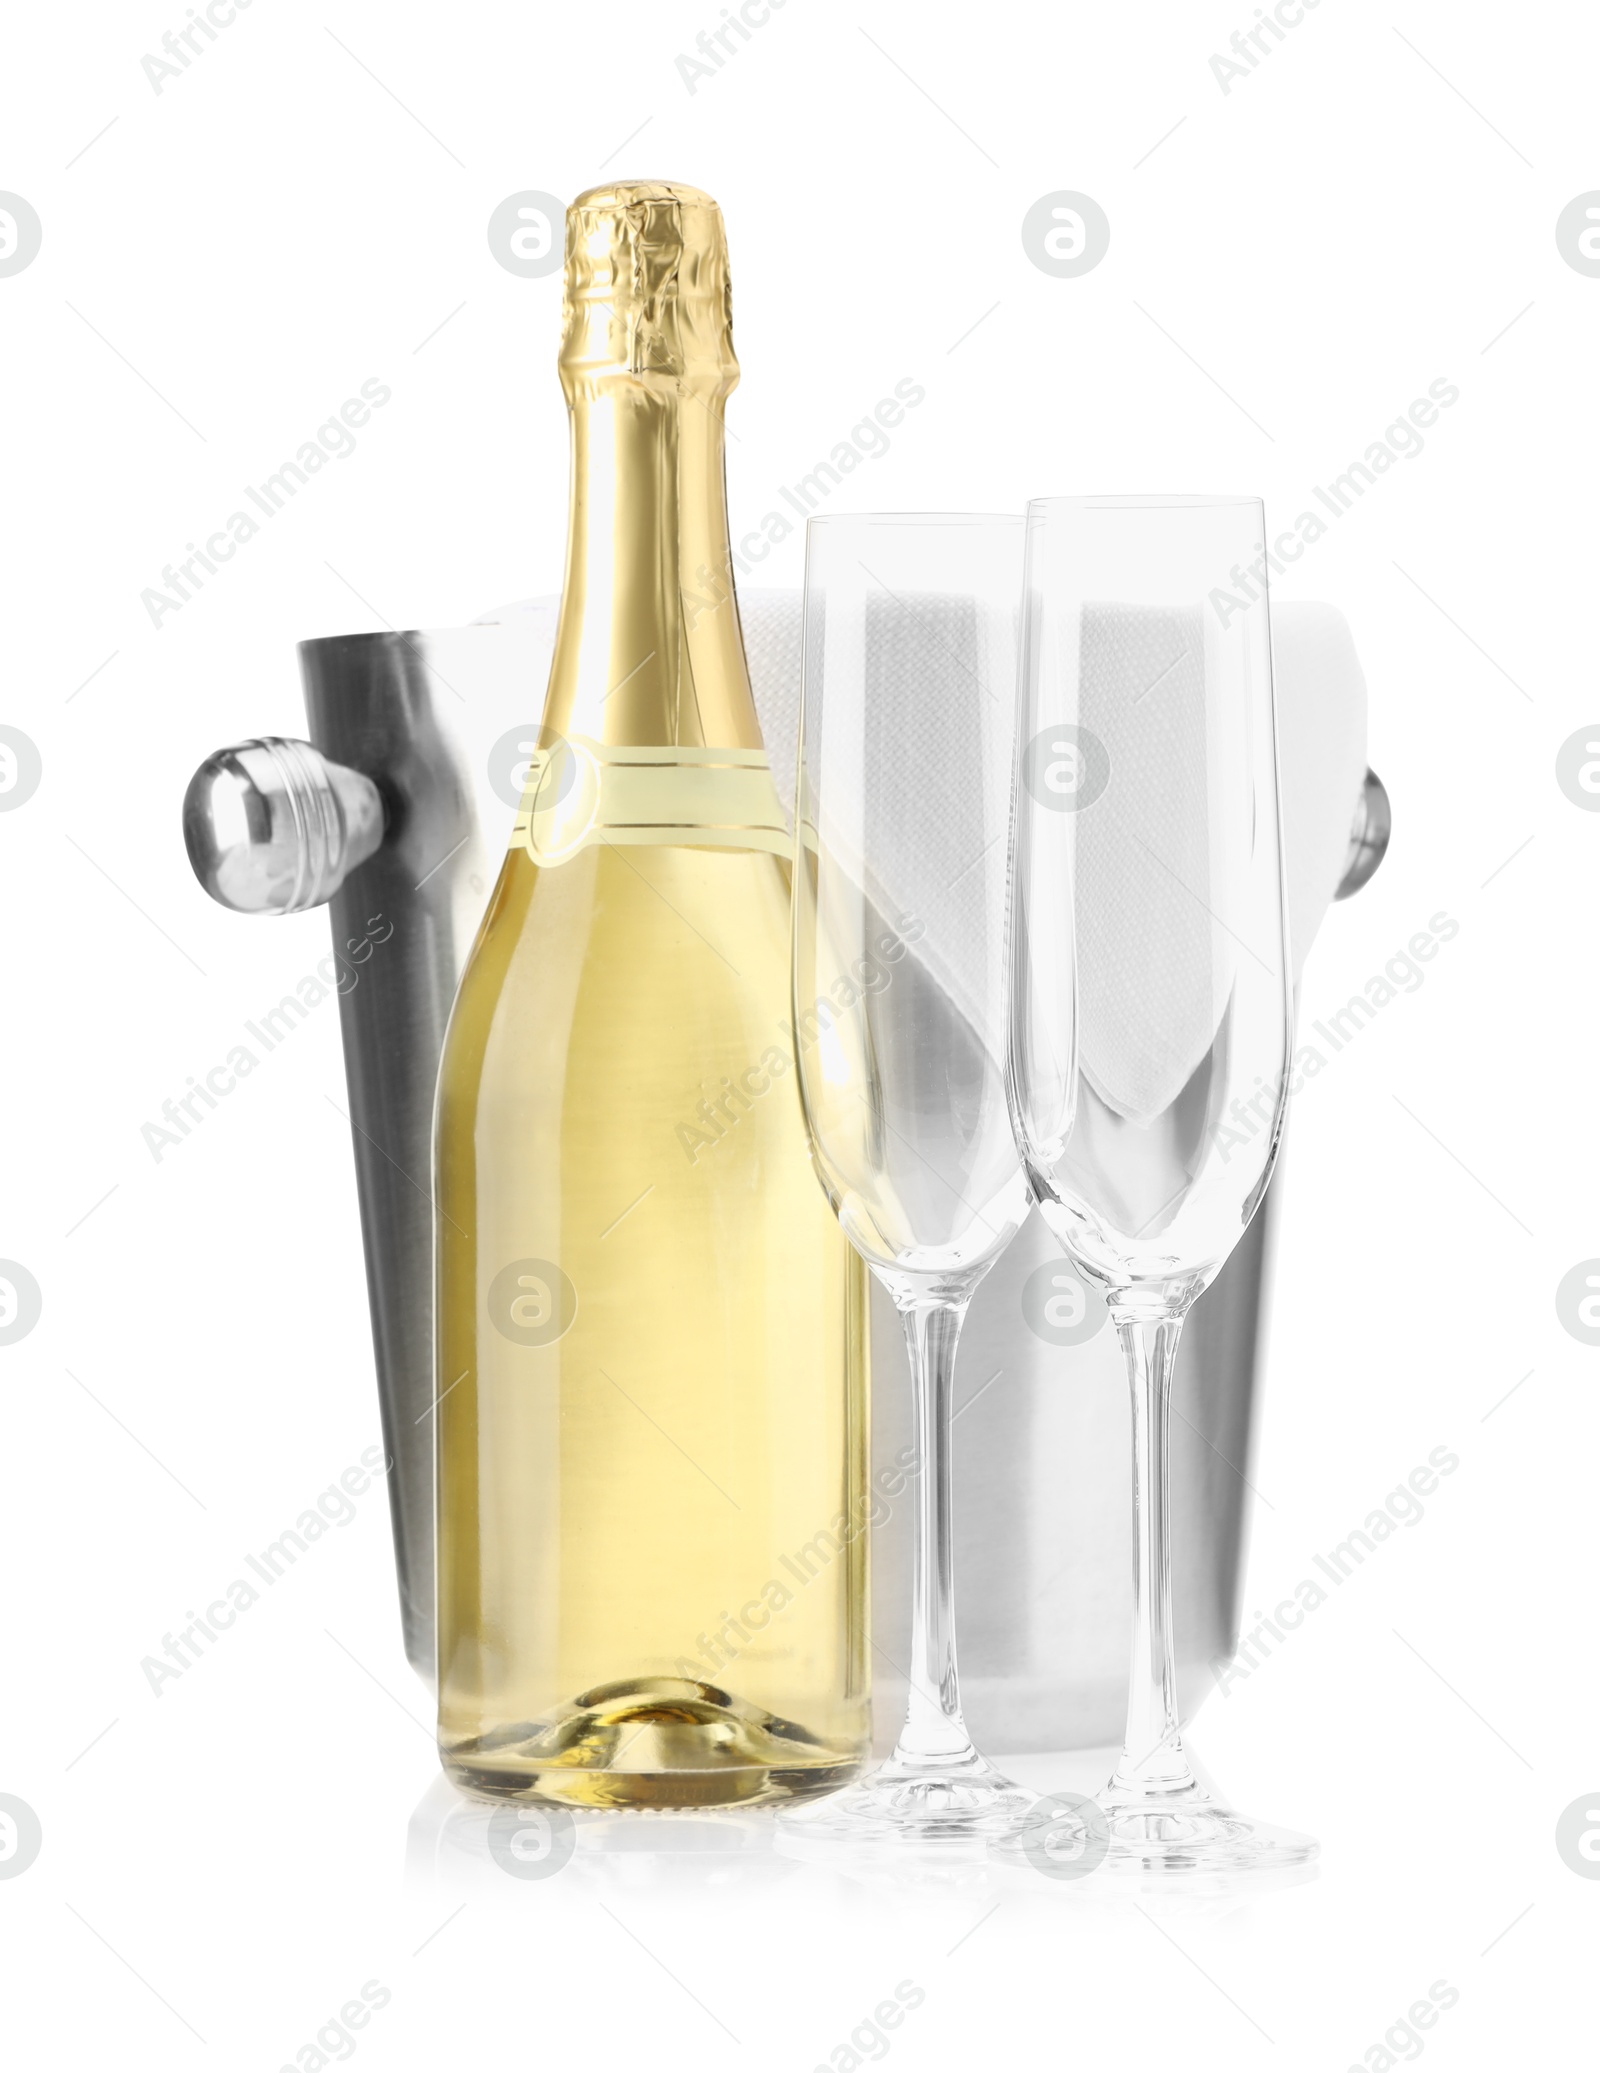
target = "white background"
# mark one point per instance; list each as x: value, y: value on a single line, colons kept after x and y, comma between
x: 1289, y: 267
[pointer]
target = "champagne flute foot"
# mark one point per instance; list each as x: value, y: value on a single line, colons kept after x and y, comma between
x: 919, y: 1800
x: 1192, y: 1830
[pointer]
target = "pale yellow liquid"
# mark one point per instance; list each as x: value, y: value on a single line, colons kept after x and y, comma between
x: 691, y: 1450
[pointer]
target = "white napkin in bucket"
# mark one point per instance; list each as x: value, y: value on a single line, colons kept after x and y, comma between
x: 1322, y: 758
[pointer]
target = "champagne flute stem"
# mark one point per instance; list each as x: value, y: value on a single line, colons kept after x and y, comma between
x: 934, y: 1732
x: 1153, y: 1756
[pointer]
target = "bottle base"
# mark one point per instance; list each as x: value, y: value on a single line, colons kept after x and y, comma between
x: 651, y: 1743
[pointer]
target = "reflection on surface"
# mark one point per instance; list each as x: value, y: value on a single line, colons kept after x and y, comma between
x: 474, y: 1849
x: 463, y: 1849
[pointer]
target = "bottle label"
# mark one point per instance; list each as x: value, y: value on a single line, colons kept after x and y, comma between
x: 581, y: 792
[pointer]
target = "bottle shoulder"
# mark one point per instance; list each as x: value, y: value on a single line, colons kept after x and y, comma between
x: 647, y: 897
x: 665, y: 955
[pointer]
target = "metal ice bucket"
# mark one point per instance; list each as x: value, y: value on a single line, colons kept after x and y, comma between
x: 400, y: 805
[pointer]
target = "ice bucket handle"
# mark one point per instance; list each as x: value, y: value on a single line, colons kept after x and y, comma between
x: 273, y: 827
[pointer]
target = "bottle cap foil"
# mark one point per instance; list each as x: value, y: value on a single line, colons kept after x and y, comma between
x: 646, y: 292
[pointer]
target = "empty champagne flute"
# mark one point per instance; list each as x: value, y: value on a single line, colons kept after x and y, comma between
x: 1151, y: 1017
x: 902, y: 803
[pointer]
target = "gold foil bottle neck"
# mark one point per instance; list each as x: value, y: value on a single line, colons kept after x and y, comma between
x: 646, y: 294
x: 648, y: 652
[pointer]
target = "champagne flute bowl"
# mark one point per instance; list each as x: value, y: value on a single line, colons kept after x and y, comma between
x: 1151, y: 1017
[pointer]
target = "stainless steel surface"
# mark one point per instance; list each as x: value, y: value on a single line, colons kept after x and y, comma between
x: 272, y: 826
x: 1369, y: 836
x: 438, y: 727
x: 387, y: 705
x: 392, y: 814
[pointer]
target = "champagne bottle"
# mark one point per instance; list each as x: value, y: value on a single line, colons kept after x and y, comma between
x: 651, y: 1333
